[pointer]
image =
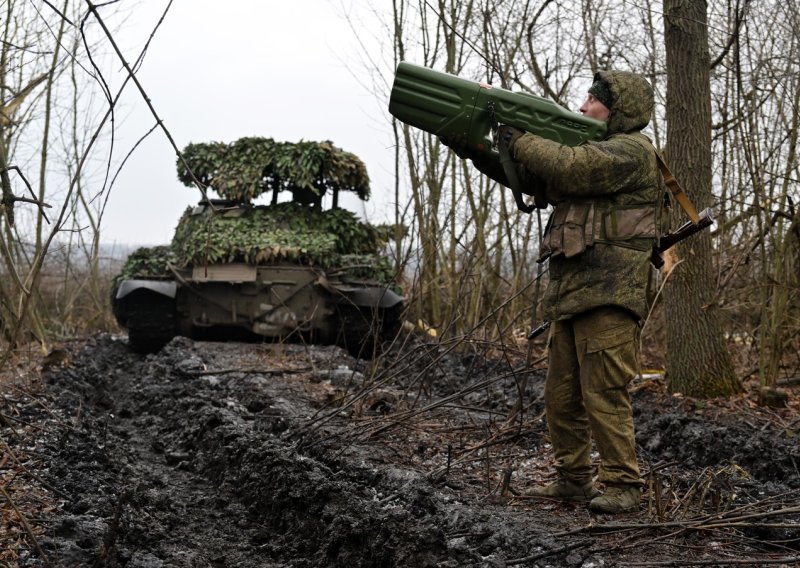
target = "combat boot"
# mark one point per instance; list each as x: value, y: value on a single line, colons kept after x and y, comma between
x: 565, y: 490
x: 617, y: 499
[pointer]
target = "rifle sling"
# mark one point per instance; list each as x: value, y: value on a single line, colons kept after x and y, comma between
x: 511, y: 174
x: 677, y: 192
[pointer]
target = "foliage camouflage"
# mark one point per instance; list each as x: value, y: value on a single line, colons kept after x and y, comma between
x: 283, y: 232
x: 249, y: 167
x: 147, y: 262
x: 286, y: 232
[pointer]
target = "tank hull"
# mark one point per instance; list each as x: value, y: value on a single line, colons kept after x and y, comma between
x: 241, y: 301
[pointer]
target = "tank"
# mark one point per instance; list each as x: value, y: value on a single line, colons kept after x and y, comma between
x: 283, y: 271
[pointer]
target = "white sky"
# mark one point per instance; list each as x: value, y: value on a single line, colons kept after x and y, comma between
x: 218, y: 71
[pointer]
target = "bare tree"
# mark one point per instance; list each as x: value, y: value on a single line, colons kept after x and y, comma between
x: 755, y: 100
x: 698, y: 362
x: 50, y: 132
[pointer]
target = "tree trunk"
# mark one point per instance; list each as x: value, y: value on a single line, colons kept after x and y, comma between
x: 698, y: 362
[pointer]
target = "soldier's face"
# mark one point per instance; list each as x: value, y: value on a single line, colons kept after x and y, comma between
x: 593, y: 108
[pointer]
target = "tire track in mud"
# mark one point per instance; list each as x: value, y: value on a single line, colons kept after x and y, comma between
x: 167, y: 465
x: 171, y: 514
x: 201, y: 472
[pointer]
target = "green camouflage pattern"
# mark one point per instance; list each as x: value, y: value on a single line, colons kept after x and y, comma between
x: 617, y: 173
x: 249, y: 167
x: 633, y: 101
x: 287, y: 270
x: 265, y: 235
x: 147, y: 262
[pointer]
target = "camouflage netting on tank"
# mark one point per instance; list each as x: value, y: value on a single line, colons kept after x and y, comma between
x: 287, y: 232
x: 249, y: 167
x: 147, y: 262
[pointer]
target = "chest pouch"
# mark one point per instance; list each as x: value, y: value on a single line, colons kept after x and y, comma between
x: 569, y: 231
x: 624, y: 225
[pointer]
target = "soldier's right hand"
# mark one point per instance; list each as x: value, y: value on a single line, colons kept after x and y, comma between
x: 457, y: 144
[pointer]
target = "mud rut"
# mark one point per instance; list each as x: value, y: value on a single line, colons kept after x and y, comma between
x: 212, y: 454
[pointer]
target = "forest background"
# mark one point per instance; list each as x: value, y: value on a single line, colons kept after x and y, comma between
x: 727, y: 83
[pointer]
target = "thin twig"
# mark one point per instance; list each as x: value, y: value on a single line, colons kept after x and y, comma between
x: 700, y: 524
x: 33, y: 198
x: 93, y: 9
x: 38, y: 400
x: 317, y: 422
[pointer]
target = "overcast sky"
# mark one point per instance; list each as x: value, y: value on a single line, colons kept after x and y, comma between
x: 220, y: 71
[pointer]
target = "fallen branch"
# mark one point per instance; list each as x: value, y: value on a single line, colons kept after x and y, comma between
x: 249, y: 372
x: 719, y: 562
x: 316, y: 423
x: 502, y: 436
x: 4, y: 421
x: 701, y: 524
x: 404, y: 416
x: 566, y: 548
x: 38, y: 400
x: 110, y: 538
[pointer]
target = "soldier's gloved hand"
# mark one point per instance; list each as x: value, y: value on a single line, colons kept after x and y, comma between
x: 457, y: 144
x: 507, y: 135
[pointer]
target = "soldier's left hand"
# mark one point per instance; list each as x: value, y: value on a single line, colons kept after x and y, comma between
x: 507, y: 135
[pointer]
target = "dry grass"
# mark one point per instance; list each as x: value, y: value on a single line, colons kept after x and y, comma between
x: 25, y: 500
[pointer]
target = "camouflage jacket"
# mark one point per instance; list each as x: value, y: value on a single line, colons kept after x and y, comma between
x: 608, y: 199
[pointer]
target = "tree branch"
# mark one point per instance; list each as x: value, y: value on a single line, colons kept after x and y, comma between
x: 734, y: 36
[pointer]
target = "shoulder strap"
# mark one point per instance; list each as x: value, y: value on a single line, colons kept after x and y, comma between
x: 677, y: 192
x: 670, y: 181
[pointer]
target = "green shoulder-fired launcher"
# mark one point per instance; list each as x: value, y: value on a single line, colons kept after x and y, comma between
x: 467, y: 112
x: 464, y: 110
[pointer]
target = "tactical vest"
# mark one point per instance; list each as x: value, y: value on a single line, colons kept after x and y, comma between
x: 575, y: 225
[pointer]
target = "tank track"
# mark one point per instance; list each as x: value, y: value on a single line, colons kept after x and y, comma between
x: 364, y: 330
x: 151, y: 323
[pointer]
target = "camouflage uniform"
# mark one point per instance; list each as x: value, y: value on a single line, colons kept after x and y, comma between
x: 607, y: 197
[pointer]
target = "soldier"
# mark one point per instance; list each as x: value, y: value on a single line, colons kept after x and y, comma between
x: 607, y: 197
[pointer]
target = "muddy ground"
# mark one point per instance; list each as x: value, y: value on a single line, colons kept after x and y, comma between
x: 233, y: 454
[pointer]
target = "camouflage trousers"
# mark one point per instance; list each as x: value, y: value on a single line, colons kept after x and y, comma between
x: 592, y: 358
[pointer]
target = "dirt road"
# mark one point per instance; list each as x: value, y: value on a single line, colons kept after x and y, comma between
x: 232, y: 454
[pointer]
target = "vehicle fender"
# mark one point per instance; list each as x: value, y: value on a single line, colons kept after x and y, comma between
x: 166, y: 288
x: 373, y: 297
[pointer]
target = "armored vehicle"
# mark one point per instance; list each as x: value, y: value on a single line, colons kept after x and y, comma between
x: 288, y: 270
